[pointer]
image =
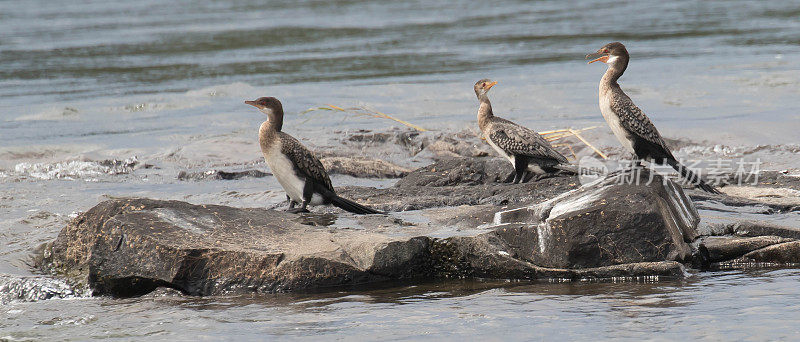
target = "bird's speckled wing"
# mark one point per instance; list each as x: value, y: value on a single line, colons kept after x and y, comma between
x: 305, y: 161
x: 518, y: 140
x: 635, y: 121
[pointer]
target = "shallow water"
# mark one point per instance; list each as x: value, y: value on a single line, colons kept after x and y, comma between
x: 86, y: 87
x: 760, y: 305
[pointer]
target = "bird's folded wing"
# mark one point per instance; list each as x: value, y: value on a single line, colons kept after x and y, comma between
x: 304, y: 161
x: 634, y: 120
x: 519, y: 140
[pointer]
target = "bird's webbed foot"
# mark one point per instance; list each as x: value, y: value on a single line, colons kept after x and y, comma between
x: 302, y: 209
x: 290, y: 202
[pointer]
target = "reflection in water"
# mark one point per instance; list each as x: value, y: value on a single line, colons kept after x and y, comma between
x: 722, y: 305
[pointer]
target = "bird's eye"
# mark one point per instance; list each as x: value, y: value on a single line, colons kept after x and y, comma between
x: 483, y: 84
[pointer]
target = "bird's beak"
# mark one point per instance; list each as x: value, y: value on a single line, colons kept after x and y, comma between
x: 252, y: 103
x: 490, y: 85
x: 597, y: 56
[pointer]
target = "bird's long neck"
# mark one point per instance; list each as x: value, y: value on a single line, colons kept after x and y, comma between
x: 615, y: 69
x: 484, y: 112
x: 276, y: 119
x: 268, y: 133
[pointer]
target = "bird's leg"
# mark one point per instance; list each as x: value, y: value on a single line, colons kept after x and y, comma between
x: 302, y: 208
x: 290, y: 202
x: 520, y: 166
x: 529, y: 176
x: 518, y: 177
x: 510, y: 177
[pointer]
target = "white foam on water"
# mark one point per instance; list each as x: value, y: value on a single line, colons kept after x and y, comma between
x: 75, y: 169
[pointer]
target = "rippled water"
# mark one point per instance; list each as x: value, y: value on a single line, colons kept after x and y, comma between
x: 115, y: 98
x: 760, y: 305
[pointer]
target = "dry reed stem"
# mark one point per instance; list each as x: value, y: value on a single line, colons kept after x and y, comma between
x: 596, y: 150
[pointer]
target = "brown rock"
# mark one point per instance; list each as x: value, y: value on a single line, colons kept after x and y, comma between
x: 605, y: 223
x: 133, y: 246
x: 783, y: 253
x: 728, y: 247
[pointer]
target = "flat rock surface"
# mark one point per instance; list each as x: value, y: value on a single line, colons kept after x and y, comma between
x: 133, y: 246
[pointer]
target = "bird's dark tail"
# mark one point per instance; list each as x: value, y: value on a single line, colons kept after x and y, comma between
x: 569, y: 168
x: 352, y: 207
x: 691, y: 176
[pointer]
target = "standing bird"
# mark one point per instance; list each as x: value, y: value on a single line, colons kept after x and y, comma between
x: 523, y: 147
x: 631, y: 126
x: 300, y: 174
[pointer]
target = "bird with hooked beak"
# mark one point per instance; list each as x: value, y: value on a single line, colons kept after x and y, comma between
x: 522, y: 146
x: 298, y: 171
x: 630, y: 125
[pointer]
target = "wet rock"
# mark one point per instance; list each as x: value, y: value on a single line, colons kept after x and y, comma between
x: 134, y: 246
x: 610, y: 221
x: 751, y: 228
x: 787, y: 253
x: 730, y: 247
